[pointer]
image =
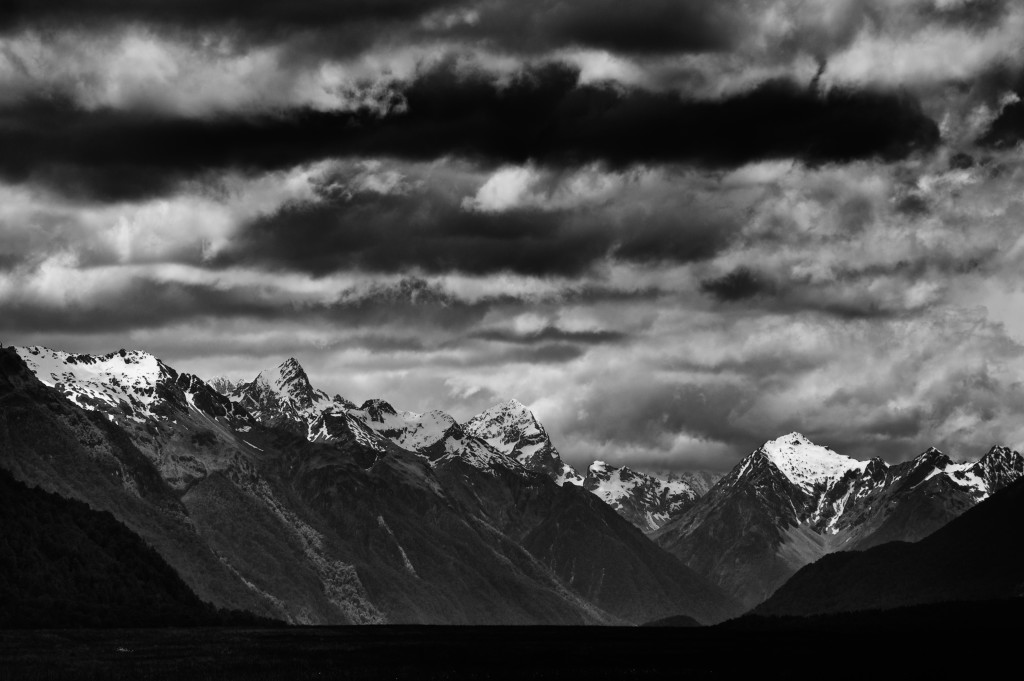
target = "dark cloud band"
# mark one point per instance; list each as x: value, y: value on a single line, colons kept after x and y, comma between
x: 256, y: 15
x: 543, y: 115
x: 642, y: 26
x: 430, y: 231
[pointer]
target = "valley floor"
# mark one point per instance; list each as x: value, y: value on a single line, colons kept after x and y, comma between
x: 937, y: 639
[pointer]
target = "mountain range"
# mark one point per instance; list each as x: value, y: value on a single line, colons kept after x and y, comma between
x: 505, y: 436
x: 272, y: 497
x: 286, y: 503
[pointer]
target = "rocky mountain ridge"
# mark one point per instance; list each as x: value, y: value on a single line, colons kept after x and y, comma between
x: 790, y: 502
x: 351, y: 528
x: 506, y: 436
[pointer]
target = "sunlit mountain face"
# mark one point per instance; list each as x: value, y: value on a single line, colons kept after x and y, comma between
x: 671, y: 230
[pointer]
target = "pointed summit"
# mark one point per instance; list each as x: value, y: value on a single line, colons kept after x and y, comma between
x: 805, y: 463
x: 512, y: 429
x: 999, y: 468
x: 223, y: 384
x: 282, y: 392
x: 287, y: 372
x: 793, y: 438
x: 930, y: 453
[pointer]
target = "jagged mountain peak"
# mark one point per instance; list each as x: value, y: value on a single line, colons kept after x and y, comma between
x: 511, y: 414
x: 645, y: 500
x: 1002, y: 452
x: 506, y: 413
x: 1000, y: 467
x: 377, y: 409
x: 512, y: 429
x: 603, y: 469
x: 876, y: 468
x: 930, y: 454
x: 283, y: 391
x: 287, y: 373
x: 224, y: 385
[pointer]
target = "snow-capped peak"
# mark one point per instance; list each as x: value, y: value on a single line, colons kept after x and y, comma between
x: 506, y: 423
x: 512, y: 429
x: 123, y: 377
x: 407, y: 429
x: 129, y: 386
x: 645, y: 500
x: 805, y: 463
x: 998, y: 468
x: 288, y: 376
x: 795, y: 437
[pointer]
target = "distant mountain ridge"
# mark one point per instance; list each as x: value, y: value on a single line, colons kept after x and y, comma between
x: 790, y: 502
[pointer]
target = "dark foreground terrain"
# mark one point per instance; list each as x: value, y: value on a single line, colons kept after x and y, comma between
x: 917, y: 641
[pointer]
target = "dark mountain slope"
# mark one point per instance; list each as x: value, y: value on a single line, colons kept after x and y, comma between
x: 420, y: 555
x: 597, y: 553
x: 733, y: 534
x: 978, y: 556
x: 63, y: 564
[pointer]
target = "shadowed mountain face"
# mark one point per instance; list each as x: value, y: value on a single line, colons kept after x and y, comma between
x: 63, y: 564
x: 587, y: 544
x: 791, y: 502
x: 347, y: 528
x: 978, y: 556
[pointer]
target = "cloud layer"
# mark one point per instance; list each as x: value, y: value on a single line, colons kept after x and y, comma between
x: 675, y: 229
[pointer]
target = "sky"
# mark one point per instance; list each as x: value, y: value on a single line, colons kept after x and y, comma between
x: 674, y: 228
